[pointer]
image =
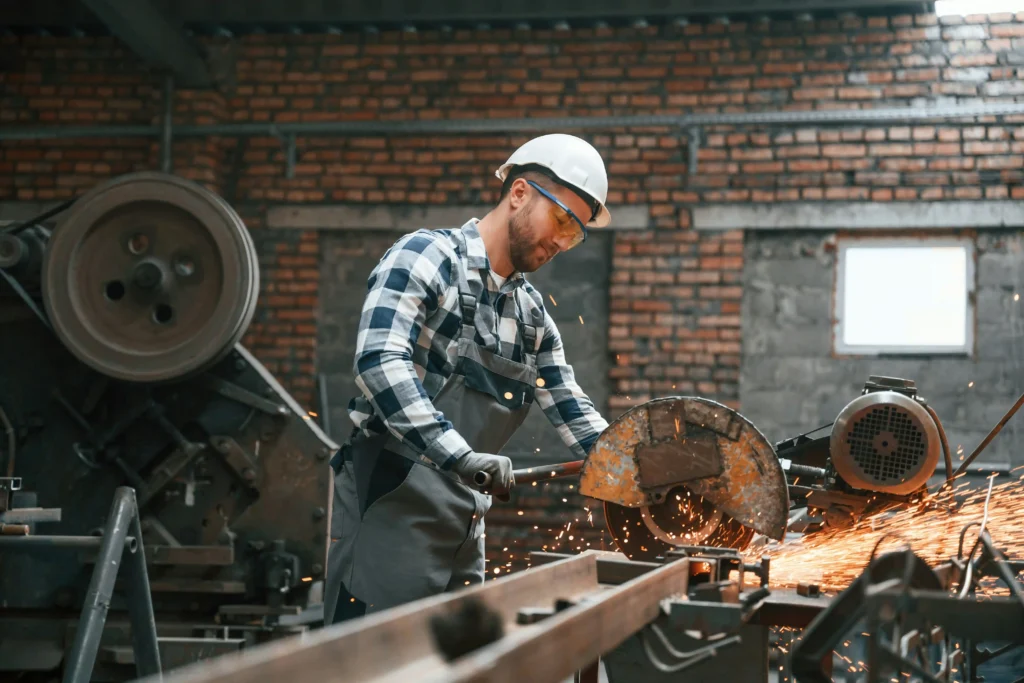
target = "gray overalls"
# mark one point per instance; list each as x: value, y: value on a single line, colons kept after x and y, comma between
x: 401, y: 528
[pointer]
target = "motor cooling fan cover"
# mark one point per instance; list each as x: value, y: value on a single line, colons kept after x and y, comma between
x: 885, y: 441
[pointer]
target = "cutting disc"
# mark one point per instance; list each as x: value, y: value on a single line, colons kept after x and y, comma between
x: 685, y: 471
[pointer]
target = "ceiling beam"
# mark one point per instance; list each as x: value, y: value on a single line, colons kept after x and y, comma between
x: 385, y: 12
x: 412, y: 11
x: 154, y: 38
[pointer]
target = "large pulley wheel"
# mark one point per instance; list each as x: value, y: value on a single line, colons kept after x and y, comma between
x: 150, y: 277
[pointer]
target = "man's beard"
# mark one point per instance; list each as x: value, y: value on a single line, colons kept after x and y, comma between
x: 521, y: 245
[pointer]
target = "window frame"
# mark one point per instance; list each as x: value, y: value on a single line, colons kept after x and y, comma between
x: 841, y: 349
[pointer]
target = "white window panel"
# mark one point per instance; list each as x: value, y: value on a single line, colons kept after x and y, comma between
x: 900, y: 296
x: 945, y: 8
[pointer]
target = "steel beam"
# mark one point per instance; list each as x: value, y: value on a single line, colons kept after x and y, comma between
x: 397, y: 645
x: 148, y: 32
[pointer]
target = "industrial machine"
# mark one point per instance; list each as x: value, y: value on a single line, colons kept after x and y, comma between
x: 684, y: 471
x: 124, y: 384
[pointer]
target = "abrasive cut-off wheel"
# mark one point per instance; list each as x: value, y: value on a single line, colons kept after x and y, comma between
x: 685, y: 471
x: 150, y: 277
x: 638, y: 541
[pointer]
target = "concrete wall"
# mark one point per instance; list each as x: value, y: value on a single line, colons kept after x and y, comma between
x: 790, y: 382
x: 578, y: 281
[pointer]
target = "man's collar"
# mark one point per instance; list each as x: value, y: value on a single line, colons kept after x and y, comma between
x: 476, y: 254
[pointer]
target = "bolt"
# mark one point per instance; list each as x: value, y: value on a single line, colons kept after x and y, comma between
x: 319, y: 513
x: 239, y: 364
x: 147, y: 275
x: 248, y: 474
x: 318, y: 569
x: 138, y: 243
x: 322, y: 453
x: 184, y: 266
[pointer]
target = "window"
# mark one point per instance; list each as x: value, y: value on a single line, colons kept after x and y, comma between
x: 904, y: 296
x: 964, y: 7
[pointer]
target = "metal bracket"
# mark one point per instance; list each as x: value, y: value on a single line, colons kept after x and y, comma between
x: 693, y: 139
x: 288, y: 140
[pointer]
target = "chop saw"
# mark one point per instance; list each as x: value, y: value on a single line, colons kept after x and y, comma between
x: 688, y: 471
x: 680, y: 471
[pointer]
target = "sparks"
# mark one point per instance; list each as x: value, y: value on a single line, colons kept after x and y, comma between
x: 833, y: 558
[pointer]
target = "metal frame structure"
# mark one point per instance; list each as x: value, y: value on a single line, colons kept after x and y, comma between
x: 122, y: 537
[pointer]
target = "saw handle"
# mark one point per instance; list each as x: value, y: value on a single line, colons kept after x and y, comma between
x: 532, y: 474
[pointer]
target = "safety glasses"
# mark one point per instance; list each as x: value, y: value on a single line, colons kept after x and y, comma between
x: 569, y: 224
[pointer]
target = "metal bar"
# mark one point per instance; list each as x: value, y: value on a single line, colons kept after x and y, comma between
x: 30, y: 515
x: 167, y: 125
x: 79, y: 664
x: 612, y: 568
x: 140, y: 604
x: 325, y: 405
x: 560, y: 645
x: 991, y: 435
x: 471, y: 125
x: 364, y: 648
x: 28, y: 543
x: 531, y: 474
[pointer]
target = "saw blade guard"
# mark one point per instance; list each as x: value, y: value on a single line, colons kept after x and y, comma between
x: 695, y: 443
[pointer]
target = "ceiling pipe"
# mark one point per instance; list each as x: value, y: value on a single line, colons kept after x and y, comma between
x: 456, y: 126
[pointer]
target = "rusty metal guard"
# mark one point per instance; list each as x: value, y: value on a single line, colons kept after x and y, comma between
x: 665, y: 442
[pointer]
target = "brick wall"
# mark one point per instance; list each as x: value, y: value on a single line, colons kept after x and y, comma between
x: 675, y: 294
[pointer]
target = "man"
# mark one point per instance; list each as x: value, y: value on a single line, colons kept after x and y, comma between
x: 454, y: 345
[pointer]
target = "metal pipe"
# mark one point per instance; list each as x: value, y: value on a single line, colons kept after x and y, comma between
x: 62, y: 542
x: 532, y: 474
x: 463, y: 126
x: 140, y: 605
x: 80, y: 662
x: 167, y: 124
x: 991, y: 435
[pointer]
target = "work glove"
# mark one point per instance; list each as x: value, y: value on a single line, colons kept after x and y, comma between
x: 497, y: 479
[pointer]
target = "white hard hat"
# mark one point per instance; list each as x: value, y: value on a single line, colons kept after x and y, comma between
x: 573, y: 160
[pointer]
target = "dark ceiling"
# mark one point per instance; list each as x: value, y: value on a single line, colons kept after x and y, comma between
x: 199, y: 14
x: 160, y: 31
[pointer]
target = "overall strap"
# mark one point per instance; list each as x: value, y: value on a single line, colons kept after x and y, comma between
x: 471, y: 288
x: 531, y: 325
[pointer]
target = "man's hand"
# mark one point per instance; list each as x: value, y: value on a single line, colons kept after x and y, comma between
x: 497, y: 467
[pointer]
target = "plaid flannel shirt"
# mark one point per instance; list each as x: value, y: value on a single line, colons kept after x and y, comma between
x: 408, y: 339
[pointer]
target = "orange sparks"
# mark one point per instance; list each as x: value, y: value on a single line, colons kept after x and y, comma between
x: 833, y: 558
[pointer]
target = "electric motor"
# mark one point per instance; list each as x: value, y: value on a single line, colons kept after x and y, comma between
x: 885, y: 440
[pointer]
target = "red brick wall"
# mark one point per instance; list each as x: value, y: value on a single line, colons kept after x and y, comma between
x: 676, y: 293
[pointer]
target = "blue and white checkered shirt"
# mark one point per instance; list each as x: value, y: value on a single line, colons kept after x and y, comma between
x: 408, y: 341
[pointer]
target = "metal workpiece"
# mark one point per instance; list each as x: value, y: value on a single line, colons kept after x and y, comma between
x: 582, y: 620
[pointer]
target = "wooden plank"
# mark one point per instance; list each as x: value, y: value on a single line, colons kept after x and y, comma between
x: 395, y: 644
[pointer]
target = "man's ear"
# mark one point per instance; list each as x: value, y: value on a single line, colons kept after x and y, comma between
x: 518, y: 193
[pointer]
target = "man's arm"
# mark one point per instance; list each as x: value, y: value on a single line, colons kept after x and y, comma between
x: 565, y: 404
x: 405, y: 287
